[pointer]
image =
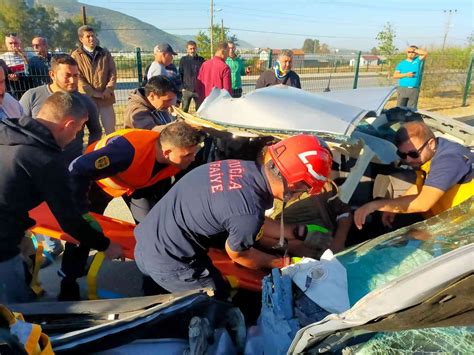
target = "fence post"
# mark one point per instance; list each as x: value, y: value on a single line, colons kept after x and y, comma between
x: 468, y: 82
x: 356, y: 72
x: 139, y: 65
x: 270, y: 55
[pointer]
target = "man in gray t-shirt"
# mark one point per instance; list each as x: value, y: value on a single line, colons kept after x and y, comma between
x: 65, y: 76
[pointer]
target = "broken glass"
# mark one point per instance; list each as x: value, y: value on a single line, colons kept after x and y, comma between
x: 379, y: 261
x: 450, y: 340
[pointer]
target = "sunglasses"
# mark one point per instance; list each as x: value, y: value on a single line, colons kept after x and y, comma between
x: 411, y: 52
x: 414, y: 154
x: 11, y: 34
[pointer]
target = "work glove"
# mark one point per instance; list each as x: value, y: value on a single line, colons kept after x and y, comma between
x: 92, y: 222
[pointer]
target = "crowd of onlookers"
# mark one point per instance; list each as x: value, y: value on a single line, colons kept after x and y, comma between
x: 42, y: 158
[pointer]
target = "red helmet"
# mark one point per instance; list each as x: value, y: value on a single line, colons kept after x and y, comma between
x: 303, y: 159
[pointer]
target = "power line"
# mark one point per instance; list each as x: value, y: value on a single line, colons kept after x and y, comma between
x: 307, y: 35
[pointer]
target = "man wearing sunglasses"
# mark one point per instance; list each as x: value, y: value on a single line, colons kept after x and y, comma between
x: 444, y: 176
x: 409, y: 71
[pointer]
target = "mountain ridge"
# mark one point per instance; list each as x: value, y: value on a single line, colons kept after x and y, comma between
x: 119, y: 31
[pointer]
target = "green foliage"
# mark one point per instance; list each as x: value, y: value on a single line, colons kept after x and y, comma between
x: 324, y: 49
x: 386, y: 39
x: 65, y: 35
x: 203, y: 40
x: 374, y: 51
x: 443, y: 69
x: 28, y: 22
x: 311, y: 45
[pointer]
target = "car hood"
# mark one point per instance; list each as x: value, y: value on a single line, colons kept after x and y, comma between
x: 282, y: 108
x: 439, y: 250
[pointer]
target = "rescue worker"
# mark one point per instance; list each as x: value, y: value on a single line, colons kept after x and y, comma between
x: 32, y: 171
x: 225, y: 201
x: 444, y: 176
x: 130, y: 163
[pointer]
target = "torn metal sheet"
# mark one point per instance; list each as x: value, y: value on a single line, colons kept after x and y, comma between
x: 371, y: 99
x: 282, y: 108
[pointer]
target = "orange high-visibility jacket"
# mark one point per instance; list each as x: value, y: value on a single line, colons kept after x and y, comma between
x: 140, y: 173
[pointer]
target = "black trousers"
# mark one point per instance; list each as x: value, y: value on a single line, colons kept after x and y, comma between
x: 186, y: 100
x: 75, y: 256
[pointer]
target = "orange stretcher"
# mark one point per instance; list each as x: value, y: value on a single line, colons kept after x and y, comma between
x: 121, y: 232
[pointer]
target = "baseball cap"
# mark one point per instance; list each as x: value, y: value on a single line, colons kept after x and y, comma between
x: 164, y: 47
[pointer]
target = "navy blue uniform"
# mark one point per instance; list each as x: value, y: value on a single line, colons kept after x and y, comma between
x: 221, y: 200
x: 116, y: 156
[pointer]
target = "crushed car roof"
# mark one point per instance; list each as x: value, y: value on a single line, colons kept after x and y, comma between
x: 284, y: 108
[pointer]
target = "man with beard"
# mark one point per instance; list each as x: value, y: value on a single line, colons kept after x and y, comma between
x: 97, y: 75
x: 64, y: 75
x: 444, y: 176
x: 189, y: 66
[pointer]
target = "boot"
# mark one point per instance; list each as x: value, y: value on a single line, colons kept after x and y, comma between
x: 69, y: 291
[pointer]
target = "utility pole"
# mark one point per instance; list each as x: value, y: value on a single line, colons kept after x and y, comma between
x: 212, y: 28
x: 448, y: 24
x: 222, y: 30
x: 83, y: 14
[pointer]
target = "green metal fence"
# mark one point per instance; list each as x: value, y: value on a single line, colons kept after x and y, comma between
x: 447, y: 79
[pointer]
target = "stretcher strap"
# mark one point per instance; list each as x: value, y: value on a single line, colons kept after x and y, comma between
x: 35, y: 285
x: 92, y: 275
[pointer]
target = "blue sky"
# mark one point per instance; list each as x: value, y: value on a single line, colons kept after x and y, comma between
x: 349, y: 24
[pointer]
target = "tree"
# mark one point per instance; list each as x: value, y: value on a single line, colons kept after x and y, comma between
x: 29, y: 22
x: 308, y: 45
x: 311, y: 45
x: 324, y: 49
x: 65, y: 36
x: 386, y: 39
x: 374, y: 51
x: 203, y: 40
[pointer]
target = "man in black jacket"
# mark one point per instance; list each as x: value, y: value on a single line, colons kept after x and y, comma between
x: 32, y: 171
x: 189, y: 66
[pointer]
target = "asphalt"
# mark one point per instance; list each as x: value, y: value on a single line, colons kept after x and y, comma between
x: 115, y: 279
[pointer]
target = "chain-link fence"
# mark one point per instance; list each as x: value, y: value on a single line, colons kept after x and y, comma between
x: 446, y: 81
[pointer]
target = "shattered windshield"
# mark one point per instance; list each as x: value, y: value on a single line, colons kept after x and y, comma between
x: 451, y: 340
x: 377, y: 262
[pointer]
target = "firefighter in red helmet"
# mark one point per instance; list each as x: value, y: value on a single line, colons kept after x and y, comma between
x: 225, y: 201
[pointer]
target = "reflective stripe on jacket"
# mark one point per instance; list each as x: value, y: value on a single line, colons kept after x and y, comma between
x: 140, y: 172
x: 455, y: 195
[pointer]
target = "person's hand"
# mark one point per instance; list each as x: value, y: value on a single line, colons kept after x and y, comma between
x: 410, y: 75
x: 114, y: 251
x: 247, y: 71
x: 108, y: 92
x: 362, y: 212
x: 388, y: 218
x: 13, y: 77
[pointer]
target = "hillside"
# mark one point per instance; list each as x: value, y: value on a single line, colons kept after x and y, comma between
x: 119, y: 31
